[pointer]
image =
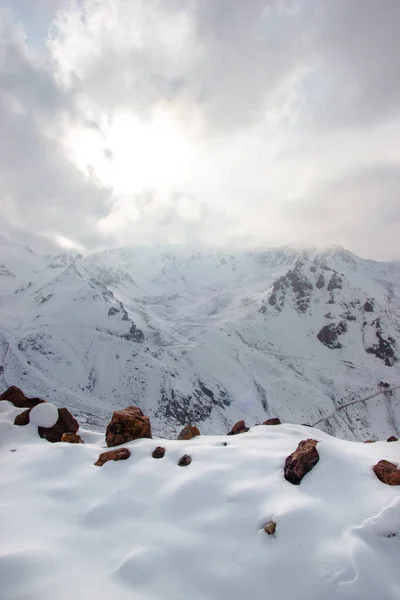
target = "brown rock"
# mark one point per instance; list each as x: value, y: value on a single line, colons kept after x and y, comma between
x: 66, y: 423
x: 159, y: 452
x: 387, y: 472
x: 22, y: 418
x: 301, y: 461
x: 392, y: 438
x: 119, y: 454
x: 188, y: 432
x: 274, y: 421
x: 17, y: 397
x: 126, y: 425
x: 239, y: 427
x: 369, y: 442
x: 184, y: 461
x: 270, y: 528
x: 72, y: 438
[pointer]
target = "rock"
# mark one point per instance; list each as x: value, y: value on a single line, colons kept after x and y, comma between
x: 119, y: 454
x: 126, y: 425
x: 188, y: 432
x: 368, y: 306
x: 387, y: 472
x: 17, y: 397
x: 159, y: 452
x: 22, y: 418
x: 66, y: 423
x: 369, y: 442
x: 321, y: 281
x: 239, y: 427
x: 329, y: 334
x: 72, y: 438
x: 301, y: 461
x: 270, y: 528
x: 392, y: 438
x: 185, y: 460
x: 273, y: 421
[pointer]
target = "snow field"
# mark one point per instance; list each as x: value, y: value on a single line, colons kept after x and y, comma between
x: 148, y: 529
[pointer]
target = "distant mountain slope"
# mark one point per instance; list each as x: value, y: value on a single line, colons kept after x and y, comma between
x: 204, y: 335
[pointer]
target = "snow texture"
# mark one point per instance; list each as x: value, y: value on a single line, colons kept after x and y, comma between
x: 151, y: 530
x: 205, y: 336
x: 44, y: 415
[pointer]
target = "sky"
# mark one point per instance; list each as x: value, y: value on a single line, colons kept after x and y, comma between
x: 215, y: 122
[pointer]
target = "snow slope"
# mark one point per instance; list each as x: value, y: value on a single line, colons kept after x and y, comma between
x: 206, y: 336
x: 151, y: 530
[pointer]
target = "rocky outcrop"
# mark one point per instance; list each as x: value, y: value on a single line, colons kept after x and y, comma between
x: 188, y: 432
x: 335, y: 282
x: 295, y: 282
x: 113, y: 311
x: 119, y: 454
x: 72, y: 438
x: 392, y: 438
x: 384, y: 348
x: 17, y: 397
x: 273, y: 421
x: 387, y: 472
x: 126, y: 425
x: 239, y: 427
x: 185, y: 460
x: 158, y: 452
x: 368, y: 306
x: 320, y: 282
x: 301, y: 461
x: 135, y: 335
x: 329, y: 334
x: 66, y: 423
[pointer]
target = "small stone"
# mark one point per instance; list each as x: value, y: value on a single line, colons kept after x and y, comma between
x: 71, y: 438
x: 239, y: 427
x: 188, y: 432
x: 270, y: 528
x: 387, y: 472
x: 392, y: 438
x: 120, y: 454
x: 22, y: 418
x: 369, y: 442
x: 301, y: 461
x: 66, y: 423
x: 274, y: 421
x: 184, y: 461
x: 159, y: 452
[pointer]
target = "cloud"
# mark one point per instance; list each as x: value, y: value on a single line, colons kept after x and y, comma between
x: 228, y: 122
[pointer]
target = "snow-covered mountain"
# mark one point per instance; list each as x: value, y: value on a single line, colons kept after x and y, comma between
x: 205, y: 336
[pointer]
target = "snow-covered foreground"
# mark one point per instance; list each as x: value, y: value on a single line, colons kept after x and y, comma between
x: 148, y: 529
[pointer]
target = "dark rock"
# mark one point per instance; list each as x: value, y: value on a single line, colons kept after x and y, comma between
x: 301, y: 461
x: 273, y: 421
x: 368, y: 306
x: 135, y: 334
x: 321, y: 281
x: 270, y: 528
x: 329, y: 334
x: 188, y: 432
x: 387, y: 472
x: 113, y: 311
x: 384, y: 348
x: 17, y: 397
x: 159, y: 452
x: 120, y: 454
x: 294, y: 281
x: 392, y: 438
x: 66, y: 423
x: 369, y: 442
x: 22, y: 418
x: 335, y: 282
x: 239, y: 427
x: 185, y: 460
x: 72, y: 438
x: 126, y: 425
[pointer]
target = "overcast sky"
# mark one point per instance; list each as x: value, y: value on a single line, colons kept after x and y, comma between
x: 221, y: 122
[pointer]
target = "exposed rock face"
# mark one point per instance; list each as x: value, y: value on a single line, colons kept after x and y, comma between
x: 17, y: 397
x: 273, y: 421
x: 135, y: 334
x: 321, y: 281
x: 335, y: 282
x: 270, y: 528
x: 298, y: 283
x: 239, y: 427
x: 188, y: 432
x: 126, y: 425
x: 368, y: 306
x: 159, y: 452
x: 72, y: 438
x: 22, y: 418
x: 384, y: 348
x: 66, y: 423
x: 119, y: 454
x: 387, y: 472
x: 185, y: 460
x: 329, y: 334
x: 392, y: 438
x: 301, y: 461
x: 113, y: 311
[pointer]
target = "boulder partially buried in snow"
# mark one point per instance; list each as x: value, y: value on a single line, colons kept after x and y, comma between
x: 71, y: 438
x: 120, y: 454
x: 301, y: 461
x: 44, y: 415
x: 273, y: 421
x: 387, y: 472
x: 239, y: 427
x: 66, y: 423
x: 22, y: 418
x: 188, y: 432
x: 126, y: 425
x: 17, y: 397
